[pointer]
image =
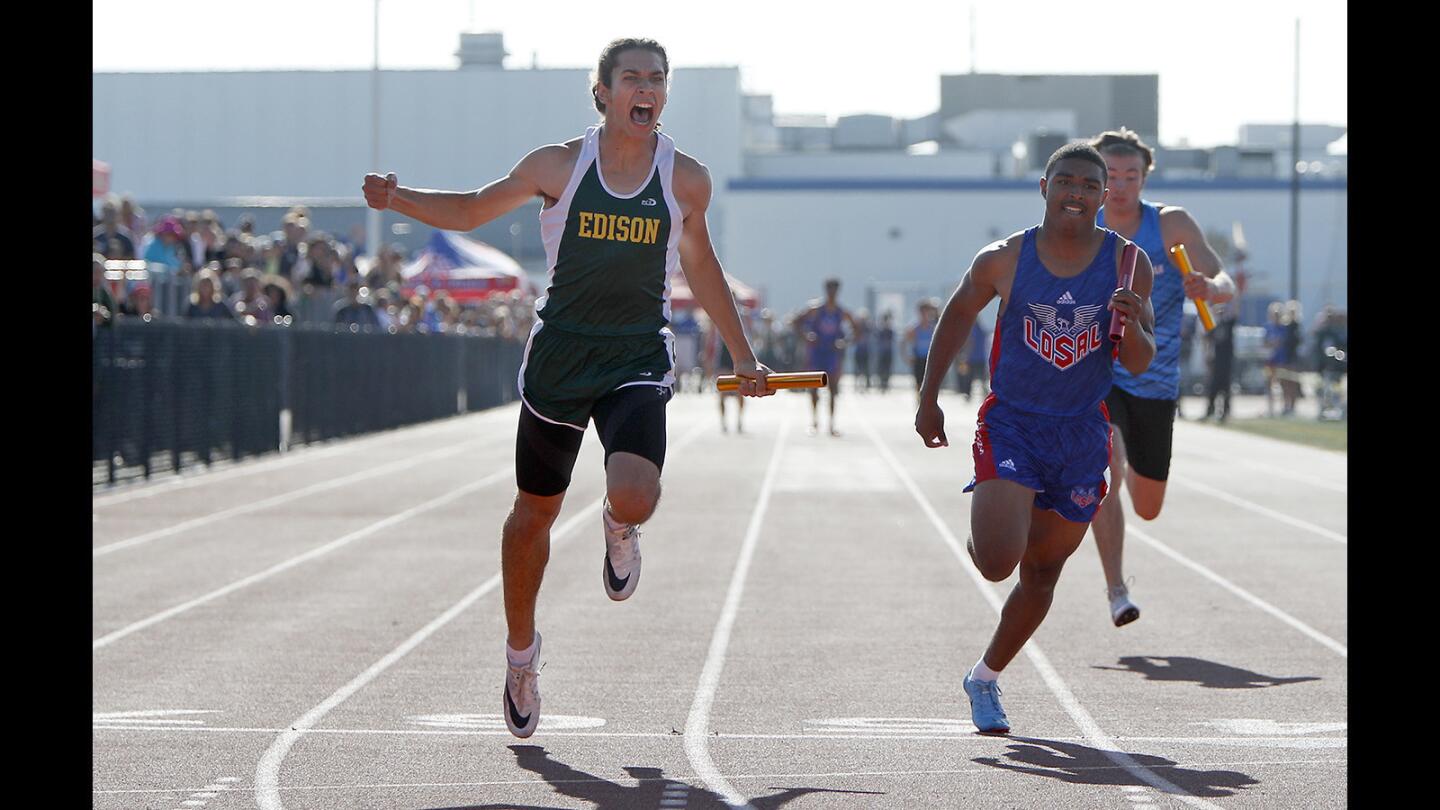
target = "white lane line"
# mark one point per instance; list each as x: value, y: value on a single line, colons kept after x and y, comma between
x: 1287, y: 741
x: 266, y: 503
x: 267, y: 771
x: 808, y: 775
x: 319, y: 551
x: 1280, y: 472
x: 1092, y: 731
x: 301, y: 455
x: 1261, y: 510
x: 697, y: 726
x: 1238, y: 591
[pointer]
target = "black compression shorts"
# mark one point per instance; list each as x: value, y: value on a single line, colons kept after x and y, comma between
x: 629, y: 420
x: 1148, y: 428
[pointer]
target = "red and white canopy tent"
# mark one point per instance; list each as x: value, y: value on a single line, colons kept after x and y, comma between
x: 682, y: 298
x: 467, y: 269
x: 99, y: 178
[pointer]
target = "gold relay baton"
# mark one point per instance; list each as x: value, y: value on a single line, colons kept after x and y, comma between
x: 1183, y: 259
x: 789, y: 379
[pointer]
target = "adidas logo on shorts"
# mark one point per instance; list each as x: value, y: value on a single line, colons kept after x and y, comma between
x: 1008, y: 464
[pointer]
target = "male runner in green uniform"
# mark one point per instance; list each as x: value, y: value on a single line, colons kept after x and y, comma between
x: 622, y: 210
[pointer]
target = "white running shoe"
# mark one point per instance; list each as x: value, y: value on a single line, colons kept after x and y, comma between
x: 522, y: 695
x: 622, y: 559
x: 1122, y: 610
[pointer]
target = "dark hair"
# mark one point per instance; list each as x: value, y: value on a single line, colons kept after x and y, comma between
x: 833, y: 281
x: 1124, y: 142
x: 280, y: 285
x: 611, y: 55
x: 1082, y: 151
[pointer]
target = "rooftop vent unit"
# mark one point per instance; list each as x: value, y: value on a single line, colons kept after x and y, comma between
x: 485, y: 50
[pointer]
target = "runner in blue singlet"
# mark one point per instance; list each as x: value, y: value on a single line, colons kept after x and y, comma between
x: 1142, y: 406
x: 822, y: 327
x: 1042, y: 440
x: 917, y: 337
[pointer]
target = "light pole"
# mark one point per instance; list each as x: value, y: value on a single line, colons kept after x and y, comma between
x: 372, y: 216
x: 1295, y: 179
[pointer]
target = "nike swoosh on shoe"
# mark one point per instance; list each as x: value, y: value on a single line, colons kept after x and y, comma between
x: 616, y: 584
x: 515, y: 717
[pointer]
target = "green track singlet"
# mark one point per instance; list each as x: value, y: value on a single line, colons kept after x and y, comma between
x: 604, y: 321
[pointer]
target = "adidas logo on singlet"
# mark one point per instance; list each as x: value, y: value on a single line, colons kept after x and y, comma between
x: 648, y: 201
x: 1066, y: 299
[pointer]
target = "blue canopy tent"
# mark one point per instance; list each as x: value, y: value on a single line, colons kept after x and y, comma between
x: 467, y: 269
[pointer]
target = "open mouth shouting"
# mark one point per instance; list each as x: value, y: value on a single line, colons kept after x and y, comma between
x: 643, y: 113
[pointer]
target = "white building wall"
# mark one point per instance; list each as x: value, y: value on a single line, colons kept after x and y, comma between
x: 922, y: 241
x: 946, y: 163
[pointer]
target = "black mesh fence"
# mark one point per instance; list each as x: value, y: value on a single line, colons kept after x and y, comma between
x: 167, y: 395
x: 490, y: 367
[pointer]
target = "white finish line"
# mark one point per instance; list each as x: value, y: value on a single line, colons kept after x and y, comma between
x: 1285, y: 741
x: 806, y: 775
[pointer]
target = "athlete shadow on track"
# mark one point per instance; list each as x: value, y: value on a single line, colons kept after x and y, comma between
x: 607, y: 795
x: 1206, y: 673
x: 1083, y: 765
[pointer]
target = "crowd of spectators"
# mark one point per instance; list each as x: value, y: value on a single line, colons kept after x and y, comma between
x: 1293, y: 365
x: 237, y: 274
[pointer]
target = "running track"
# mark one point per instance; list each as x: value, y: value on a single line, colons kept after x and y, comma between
x: 324, y: 629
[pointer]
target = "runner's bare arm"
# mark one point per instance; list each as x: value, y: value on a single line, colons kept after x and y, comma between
x: 543, y: 172
x: 979, y: 286
x: 1210, y: 282
x: 707, y: 278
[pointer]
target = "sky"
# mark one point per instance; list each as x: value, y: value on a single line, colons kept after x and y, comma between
x: 1222, y: 63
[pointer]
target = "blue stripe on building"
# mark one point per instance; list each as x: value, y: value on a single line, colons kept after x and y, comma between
x: 987, y: 184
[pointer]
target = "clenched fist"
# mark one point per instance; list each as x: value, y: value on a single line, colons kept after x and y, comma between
x: 380, y: 191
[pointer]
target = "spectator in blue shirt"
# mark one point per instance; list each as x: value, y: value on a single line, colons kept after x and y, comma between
x: 167, y: 246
